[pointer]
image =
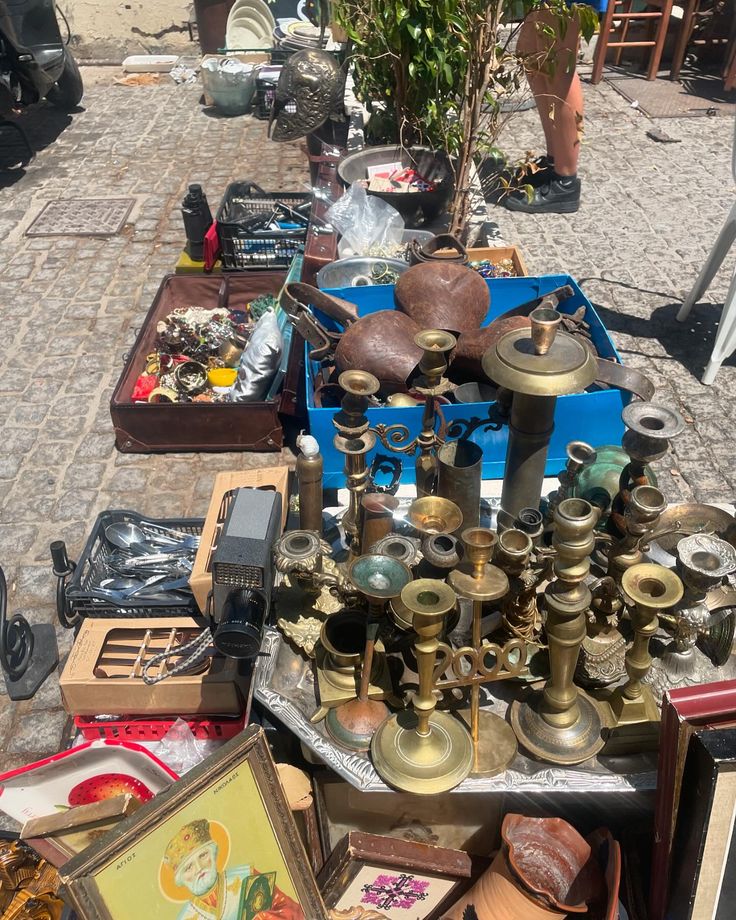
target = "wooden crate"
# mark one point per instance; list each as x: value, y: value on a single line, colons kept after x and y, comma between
x: 497, y: 254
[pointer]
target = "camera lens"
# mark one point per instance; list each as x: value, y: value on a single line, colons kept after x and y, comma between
x: 240, y: 630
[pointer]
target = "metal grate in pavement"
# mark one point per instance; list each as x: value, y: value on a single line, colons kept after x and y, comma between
x: 82, y: 217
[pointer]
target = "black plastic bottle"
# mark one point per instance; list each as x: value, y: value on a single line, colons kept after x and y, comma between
x: 197, y: 221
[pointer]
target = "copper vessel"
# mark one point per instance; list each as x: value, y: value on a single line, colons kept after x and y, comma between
x: 443, y: 295
x: 382, y: 344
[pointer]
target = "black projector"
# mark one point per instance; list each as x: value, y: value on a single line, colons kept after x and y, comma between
x: 242, y: 571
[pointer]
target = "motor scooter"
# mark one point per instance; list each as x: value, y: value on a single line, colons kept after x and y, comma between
x: 35, y: 61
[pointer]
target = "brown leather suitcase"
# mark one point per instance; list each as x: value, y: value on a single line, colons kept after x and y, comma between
x: 209, y: 427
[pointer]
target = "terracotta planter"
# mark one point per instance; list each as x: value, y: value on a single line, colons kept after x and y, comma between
x: 543, y: 871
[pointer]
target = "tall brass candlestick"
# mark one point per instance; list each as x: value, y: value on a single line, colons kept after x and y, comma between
x: 355, y: 441
x: 436, y: 345
x: 561, y: 724
x: 424, y: 751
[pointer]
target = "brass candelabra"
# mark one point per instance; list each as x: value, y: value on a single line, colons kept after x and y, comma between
x: 494, y: 744
x: 436, y: 346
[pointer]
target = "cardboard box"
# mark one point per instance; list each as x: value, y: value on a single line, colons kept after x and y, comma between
x: 272, y: 478
x: 219, y: 690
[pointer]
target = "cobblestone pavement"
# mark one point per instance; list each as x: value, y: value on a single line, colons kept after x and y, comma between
x: 70, y: 308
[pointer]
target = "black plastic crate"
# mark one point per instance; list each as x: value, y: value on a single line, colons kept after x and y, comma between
x: 91, y: 570
x: 266, y: 249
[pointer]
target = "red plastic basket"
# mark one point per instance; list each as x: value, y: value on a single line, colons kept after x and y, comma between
x: 137, y: 729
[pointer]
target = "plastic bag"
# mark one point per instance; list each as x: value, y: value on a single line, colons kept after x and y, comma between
x: 181, y: 751
x: 260, y: 360
x: 365, y: 220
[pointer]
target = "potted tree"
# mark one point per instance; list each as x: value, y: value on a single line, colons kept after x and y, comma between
x: 437, y: 72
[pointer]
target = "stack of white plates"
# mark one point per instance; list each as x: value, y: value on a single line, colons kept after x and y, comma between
x: 250, y: 26
x: 295, y: 35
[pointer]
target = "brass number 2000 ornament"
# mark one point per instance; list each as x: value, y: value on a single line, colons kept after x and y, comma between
x: 469, y: 665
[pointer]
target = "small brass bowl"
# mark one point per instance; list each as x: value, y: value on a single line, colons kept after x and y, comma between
x: 433, y: 515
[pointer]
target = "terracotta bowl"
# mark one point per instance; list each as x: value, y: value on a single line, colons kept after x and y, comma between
x: 551, y: 859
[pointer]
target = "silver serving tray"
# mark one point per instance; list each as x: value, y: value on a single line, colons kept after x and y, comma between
x: 284, y: 684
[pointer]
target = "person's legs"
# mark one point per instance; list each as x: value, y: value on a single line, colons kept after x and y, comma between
x: 551, y: 72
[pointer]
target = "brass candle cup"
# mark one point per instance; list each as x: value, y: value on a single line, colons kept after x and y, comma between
x: 545, y: 323
x: 424, y: 751
x: 378, y: 517
x: 432, y: 515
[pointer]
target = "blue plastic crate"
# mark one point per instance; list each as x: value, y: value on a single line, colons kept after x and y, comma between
x: 593, y: 416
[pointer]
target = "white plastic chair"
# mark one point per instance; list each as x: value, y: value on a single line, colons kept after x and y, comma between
x: 725, y: 343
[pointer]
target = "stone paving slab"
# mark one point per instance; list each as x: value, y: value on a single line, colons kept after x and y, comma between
x: 71, y: 307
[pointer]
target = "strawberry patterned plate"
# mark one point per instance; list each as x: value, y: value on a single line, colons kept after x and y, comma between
x: 89, y: 773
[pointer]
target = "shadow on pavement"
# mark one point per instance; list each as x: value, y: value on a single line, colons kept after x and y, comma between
x: 41, y: 124
x: 690, y: 343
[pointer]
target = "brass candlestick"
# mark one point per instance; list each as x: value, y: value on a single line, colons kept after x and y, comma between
x: 560, y: 724
x: 537, y: 365
x: 421, y: 750
x: 519, y: 608
x: 378, y: 578
x: 650, y: 428
x: 436, y: 346
x: 644, y: 507
x: 354, y: 440
x: 579, y: 455
x: 649, y: 589
x: 704, y: 563
x: 494, y: 744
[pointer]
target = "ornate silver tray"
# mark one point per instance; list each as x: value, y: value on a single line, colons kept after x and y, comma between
x: 284, y: 684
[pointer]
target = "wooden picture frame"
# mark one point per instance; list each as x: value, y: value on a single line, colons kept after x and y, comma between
x: 704, y: 850
x: 219, y: 842
x: 397, y: 878
x: 683, y: 711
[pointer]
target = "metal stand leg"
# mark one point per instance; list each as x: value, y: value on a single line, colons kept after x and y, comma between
x: 719, y: 252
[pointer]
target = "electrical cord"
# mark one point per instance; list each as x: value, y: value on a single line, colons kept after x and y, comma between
x: 16, y: 638
x: 66, y: 23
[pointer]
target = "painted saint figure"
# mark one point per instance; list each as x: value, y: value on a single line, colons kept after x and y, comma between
x: 240, y: 893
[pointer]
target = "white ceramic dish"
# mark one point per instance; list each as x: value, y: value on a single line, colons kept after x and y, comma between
x: 150, y: 63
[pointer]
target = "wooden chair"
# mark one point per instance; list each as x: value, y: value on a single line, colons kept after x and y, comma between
x: 657, y: 16
x: 691, y: 14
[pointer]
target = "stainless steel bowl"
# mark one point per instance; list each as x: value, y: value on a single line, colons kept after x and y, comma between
x: 359, y: 271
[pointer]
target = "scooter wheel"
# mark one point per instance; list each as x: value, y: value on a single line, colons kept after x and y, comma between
x: 68, y: 90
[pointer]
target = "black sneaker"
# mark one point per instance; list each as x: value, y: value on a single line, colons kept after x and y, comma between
x: 558, y: 195
x: 498, y: 182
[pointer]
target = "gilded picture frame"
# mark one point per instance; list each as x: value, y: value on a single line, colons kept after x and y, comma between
x: 219, y: 844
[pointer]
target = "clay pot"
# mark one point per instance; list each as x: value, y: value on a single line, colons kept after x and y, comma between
x: 542, y: 871
x: 382, y: 344
x: 471, y: 346
x: 443, y: 295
